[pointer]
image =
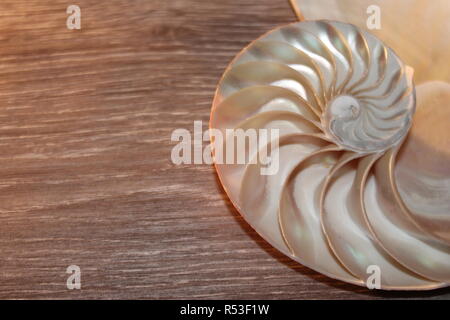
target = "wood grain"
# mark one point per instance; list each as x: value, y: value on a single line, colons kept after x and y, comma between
x: 86, y: 178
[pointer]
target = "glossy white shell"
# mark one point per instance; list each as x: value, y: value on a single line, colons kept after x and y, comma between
x: 343, y: 102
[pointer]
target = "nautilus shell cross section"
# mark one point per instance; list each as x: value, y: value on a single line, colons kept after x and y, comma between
x: 343, y: 104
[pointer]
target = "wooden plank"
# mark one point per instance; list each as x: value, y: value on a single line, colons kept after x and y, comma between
x: 86, y: 177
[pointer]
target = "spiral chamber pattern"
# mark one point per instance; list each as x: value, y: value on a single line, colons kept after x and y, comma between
x: 343, y: 103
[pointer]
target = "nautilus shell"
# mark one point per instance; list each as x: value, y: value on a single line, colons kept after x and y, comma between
x: 418, y: 30
x: 345, y: 196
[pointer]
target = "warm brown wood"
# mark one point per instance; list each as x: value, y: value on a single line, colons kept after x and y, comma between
x: 86, y: 177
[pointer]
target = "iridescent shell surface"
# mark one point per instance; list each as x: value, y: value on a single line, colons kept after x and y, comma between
x: 345, y: 196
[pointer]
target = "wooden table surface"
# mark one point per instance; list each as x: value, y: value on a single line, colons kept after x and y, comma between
x: 86, y: 176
